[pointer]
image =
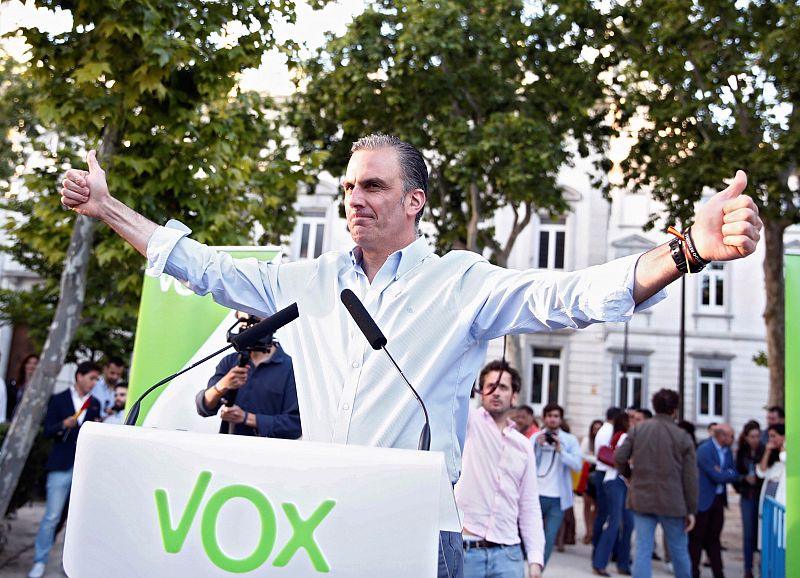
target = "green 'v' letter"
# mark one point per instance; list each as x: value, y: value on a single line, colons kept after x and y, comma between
x: 174, y: 538
x: 303, y: 536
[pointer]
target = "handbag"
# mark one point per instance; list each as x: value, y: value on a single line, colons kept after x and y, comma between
x: 605, y: 454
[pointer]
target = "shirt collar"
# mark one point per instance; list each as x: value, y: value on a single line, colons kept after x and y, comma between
x: 73, y: 390
x: 718, y: 447
x: 401, y: 261
x: 510, y: 423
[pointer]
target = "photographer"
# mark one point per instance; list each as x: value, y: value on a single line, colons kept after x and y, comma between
x: 557, y: 452
x: 255, y: 391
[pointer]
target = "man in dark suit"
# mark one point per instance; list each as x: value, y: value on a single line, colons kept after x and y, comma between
x: 716, y: 468
x: 66, y: 413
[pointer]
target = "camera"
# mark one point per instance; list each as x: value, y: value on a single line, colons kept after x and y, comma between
x: 549, y: 438
x: 245, y: 323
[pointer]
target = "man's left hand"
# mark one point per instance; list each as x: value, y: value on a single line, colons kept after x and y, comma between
x: 233, y: 414
x: 727, y: 226
x: 536, y: 571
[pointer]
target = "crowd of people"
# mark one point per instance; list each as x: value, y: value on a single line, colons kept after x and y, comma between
x: 636, y: 469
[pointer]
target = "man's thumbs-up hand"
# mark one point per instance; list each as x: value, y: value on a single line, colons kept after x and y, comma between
x: 727, y: 226
x: 86, y: 192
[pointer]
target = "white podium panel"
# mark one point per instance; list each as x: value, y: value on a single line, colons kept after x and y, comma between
x: 158, y: 503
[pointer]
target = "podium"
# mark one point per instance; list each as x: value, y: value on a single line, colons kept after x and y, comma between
x: 155, y: 503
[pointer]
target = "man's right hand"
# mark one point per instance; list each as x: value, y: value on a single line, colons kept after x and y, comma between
x: 688, y: 524
x: 234, y: 379
x: 86, y: 192
x: 70, y: 422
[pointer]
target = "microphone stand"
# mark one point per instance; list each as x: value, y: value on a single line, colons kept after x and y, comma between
x: 133, y: 415
x: 425, y: 435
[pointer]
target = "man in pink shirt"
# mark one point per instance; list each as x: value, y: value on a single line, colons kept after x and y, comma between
x: 497, y: 490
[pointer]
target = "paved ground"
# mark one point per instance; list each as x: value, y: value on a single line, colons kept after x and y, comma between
x: 17, y: 557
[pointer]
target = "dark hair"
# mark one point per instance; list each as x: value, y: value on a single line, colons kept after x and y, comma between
x: 689, y: 428
x: 666, y: 401
x: 646, y: 413
x: 85, y: 367
x: 121, y: 384
x: 501, y: 366
x: 527, y: 409
x: 748, y: 427
x: 553, y: 407
x: 20, y: 381
x: 592, y: 434
x: 612, y: 412
x: 114, y: 360
x: 777, y: 409
x: 413, y: 169
x: 621, y: 422
x: 775, y: 454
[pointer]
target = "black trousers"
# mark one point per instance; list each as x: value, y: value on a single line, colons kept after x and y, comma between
x: 705, y: 536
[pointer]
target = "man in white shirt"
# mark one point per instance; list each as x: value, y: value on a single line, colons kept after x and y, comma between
x: 442, y: 311
x: 557, y: 452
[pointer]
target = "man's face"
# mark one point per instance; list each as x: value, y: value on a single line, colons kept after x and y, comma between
x: 724, y: 435
x: 635, y: 417
x: 379, y: 217
x: 502, y: 398
x: 552, y: 419
x: 522, y: 418
x: 120, y: 397
x: 773, y: 417
x: 84, y: 383
x: 112, y: 373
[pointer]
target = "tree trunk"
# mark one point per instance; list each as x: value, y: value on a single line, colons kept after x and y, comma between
x: 774, y: 312
x: 31, y: 409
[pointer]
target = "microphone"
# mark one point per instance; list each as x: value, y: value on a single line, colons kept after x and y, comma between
x: 241, y: 342
x: 251, y: 337
x: 377, y: 340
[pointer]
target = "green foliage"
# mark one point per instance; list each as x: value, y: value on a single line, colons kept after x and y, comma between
x: 719, y: 86
x: 31, y: 482
x: 494, y: 93
x: 157, y: 82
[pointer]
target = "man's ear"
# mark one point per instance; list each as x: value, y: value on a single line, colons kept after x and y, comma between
x: 416, y: 200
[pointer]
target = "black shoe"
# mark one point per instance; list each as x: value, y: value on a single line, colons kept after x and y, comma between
x: 656, y: 557
x: 598, y: 572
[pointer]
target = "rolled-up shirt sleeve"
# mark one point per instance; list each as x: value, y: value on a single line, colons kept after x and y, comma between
x: 530, y: 513
x: 161, y: 244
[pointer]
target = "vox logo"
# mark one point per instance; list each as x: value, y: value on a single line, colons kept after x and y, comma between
x: 174, y: 536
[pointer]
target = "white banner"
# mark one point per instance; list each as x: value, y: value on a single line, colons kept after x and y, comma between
x: 158, y: 503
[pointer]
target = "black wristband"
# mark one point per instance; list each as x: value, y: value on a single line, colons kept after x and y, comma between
x: 698, y: 260
x: 676, y: 251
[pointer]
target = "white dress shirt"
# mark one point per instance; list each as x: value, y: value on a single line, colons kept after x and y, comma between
x: 438, y: 314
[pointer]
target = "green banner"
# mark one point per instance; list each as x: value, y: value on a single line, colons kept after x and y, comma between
x: 792, y: 268
x: 174, y: 325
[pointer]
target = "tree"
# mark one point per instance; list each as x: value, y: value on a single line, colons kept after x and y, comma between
x: 717, y: 86
x: 494, y: 92
x: 154, y: 85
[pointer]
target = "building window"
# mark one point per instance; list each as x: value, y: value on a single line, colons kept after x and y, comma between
x: 552, y: 241
x: 711, y: 284
x: 546, y: 372
x: 311, y: 225
x: 710, y: 395
x: 630, y: 385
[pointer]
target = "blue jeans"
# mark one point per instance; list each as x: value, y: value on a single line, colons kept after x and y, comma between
x: 677, y: 542
x: 616, y: 536
x: 500, y: 562
x: 601, y: 508
x: 58, y: 485
x: 749, y: 529
x: 451, y: 555
x: 552, y: 516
